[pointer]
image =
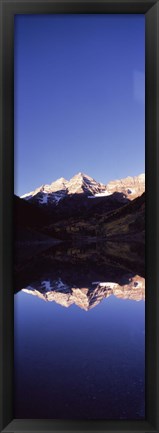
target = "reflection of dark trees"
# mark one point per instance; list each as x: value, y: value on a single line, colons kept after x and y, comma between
x: 80, y: 263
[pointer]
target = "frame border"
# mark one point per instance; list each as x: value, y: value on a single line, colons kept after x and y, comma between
x: 8, y: 8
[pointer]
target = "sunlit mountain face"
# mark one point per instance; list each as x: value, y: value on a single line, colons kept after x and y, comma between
x: 130, y: 187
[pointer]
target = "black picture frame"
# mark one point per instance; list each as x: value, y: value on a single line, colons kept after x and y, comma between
x: 8, y: 8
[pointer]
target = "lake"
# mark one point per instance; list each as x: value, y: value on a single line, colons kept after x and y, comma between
x: 79, y: 339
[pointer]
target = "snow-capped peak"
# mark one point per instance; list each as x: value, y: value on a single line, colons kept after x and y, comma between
x: 81, y: 183
x: 59, y: 184
x: 81, y: 175
x: 131, y: 186
x: 59, y: 181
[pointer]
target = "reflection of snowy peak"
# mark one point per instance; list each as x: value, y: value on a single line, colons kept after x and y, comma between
x: 87, y: 298
x: 131, y: 187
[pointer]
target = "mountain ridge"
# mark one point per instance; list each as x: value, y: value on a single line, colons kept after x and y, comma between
x: 81, y: 183
x: 86, y: 298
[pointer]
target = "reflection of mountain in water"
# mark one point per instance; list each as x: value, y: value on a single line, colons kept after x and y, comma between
x: 92, y: 255
x: 88, y: 361
x: 87, y: 297
x: 83, y: 274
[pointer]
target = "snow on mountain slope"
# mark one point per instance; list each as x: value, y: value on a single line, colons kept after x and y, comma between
x: 82, y: 183
x: 78, y: 184
x: 130, y: 187
x: 55, y: 191
x: 86, y: 298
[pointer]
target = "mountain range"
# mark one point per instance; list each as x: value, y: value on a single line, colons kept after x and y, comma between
x: 129, y: 187
x: 82, y: 208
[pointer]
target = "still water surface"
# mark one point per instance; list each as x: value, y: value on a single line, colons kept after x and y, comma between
x: 80, y: 347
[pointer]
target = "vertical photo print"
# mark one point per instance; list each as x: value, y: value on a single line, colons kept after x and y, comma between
x: 79, y: 216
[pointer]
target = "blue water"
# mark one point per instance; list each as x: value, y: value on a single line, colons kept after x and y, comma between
x: 77, y: 364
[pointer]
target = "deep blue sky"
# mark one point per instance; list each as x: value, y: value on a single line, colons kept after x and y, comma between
x: 79, y: 97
